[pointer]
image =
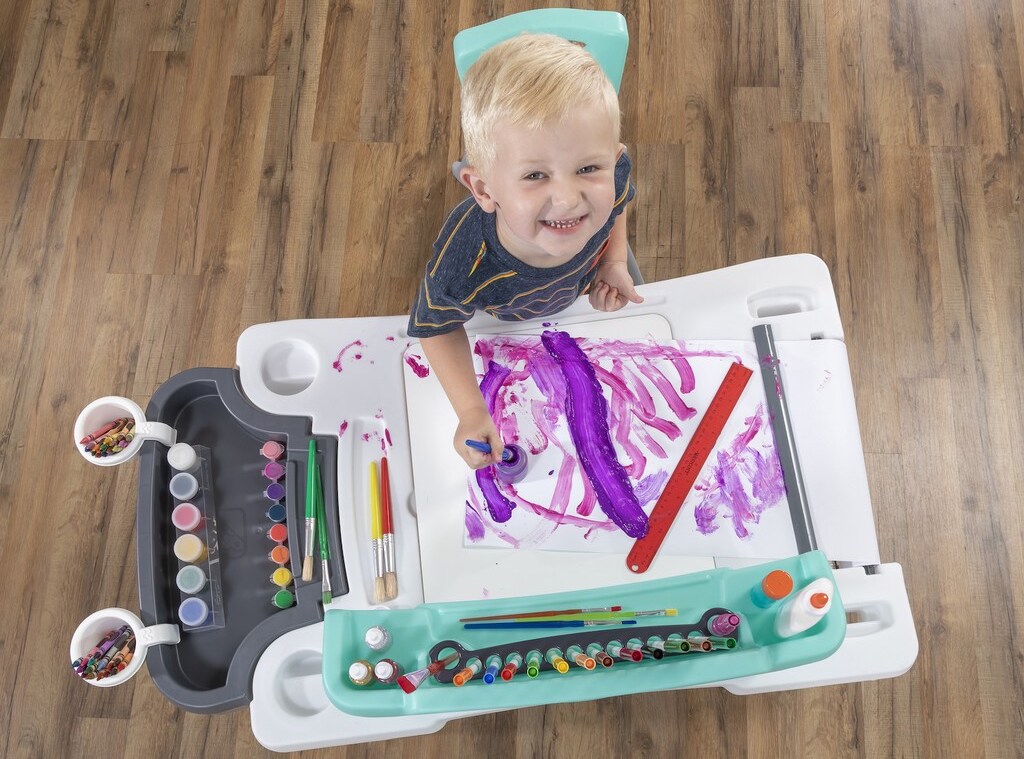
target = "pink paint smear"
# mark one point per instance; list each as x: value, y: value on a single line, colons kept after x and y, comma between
x: 341, y: 354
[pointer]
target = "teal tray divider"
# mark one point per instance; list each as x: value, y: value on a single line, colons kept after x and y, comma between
x: 415, y: 631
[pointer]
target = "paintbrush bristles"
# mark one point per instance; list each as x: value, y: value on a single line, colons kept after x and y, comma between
x: 378, y: 590
x: 391, y: 586
x: 307, y: 569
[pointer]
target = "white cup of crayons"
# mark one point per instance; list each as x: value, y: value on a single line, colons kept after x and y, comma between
x: 110, y: 646
x: 111, y: 430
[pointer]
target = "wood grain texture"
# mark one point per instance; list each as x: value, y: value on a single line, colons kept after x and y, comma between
x: 178, y: 170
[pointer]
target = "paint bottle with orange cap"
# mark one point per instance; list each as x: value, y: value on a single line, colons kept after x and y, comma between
x: 775, y: 586
x: 804, y: 610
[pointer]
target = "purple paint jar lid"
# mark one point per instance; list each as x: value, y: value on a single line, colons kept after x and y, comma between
x: 193, y: 611
x: 274, y: 491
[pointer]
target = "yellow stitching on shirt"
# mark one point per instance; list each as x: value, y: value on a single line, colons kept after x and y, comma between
x: 449, y: 240
x: 495, y: 278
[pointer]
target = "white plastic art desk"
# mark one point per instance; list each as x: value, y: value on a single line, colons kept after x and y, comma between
x: 348, y: 375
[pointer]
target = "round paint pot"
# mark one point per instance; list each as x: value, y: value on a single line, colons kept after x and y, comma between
x: 190, y: 579
x: 278, y: 533
x: 183, y: 458
x: 273, y: 471
x: 282, y: 577
x: 194, y: 612
x: 283, y: 599
x: 277, y: 513
x: 387, y: 671
x: 377, y: 638
x: 279, y: 555
x: 186, y: 517
x: 360, y: 672
x: 272, y: 450
x: 189, y: 548
x: 514, y: 469
x: 274, y: 491
x: 183, y: 486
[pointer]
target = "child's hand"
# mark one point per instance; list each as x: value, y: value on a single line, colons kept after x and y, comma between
x: 613, y: 287
x: 477, y: 424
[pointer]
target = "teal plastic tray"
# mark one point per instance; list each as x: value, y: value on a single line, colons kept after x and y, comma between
x: 415, y: 631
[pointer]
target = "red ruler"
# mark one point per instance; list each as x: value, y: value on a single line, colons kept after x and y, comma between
x: 689, y: 466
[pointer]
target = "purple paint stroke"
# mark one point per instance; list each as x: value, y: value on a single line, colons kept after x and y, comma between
x: 587, y: 414
x: 341, y: 354
x: 421, y: 370
x: 387, y: 435
x: 498, y: 505
x: 739, y: 463
x: 342, y: 428
x: 474, y: 524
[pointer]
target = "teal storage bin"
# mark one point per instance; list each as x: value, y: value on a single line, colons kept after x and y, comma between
x: 415, y: 631
x: 604, y: 34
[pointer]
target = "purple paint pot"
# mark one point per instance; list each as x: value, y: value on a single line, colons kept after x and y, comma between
x: 513, y: 470
x: 274, y: 491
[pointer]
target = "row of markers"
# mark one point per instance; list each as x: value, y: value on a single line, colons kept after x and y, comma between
x: 109, y: 656
x: 387, y: 671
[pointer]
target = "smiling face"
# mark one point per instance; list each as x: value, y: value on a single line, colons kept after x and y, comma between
x: 553, y: 187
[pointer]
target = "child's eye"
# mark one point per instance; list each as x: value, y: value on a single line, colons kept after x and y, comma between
x: 588, y: 169
x: 534, y: 176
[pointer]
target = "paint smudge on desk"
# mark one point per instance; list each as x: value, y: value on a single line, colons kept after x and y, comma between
x: 342, y: 427
x: 614, y: 434
x: 338, y: 366
x: 421, y: 370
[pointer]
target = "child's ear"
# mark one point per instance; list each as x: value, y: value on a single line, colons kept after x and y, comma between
x: 477, y: 185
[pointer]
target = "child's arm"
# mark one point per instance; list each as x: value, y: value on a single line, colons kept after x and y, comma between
x: 613, y: 287
x: 452, y: 360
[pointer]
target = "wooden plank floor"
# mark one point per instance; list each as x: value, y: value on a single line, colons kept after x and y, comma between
x: 177, y: 170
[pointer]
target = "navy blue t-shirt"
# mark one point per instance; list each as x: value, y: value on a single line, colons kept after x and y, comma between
x: 471, y: 270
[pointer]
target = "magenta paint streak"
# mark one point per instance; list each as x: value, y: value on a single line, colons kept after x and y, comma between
x: 342, y: 428
x: 341, y: 354
x: 737, y: 465
x: 587, y: 413
x: 474, y: 524
x: 421, y: 370
x: 499, y: 506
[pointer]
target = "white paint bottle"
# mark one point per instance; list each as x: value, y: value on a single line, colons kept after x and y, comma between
x: 805, y: 609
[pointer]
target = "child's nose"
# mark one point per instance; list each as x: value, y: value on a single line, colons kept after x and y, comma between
x: 565, y: 194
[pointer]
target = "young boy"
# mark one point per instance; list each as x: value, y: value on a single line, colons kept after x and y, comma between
x: 546, y: 220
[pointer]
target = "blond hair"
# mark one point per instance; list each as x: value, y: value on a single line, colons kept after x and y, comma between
x: 529, y: 81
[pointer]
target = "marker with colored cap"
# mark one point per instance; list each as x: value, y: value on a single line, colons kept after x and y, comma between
x: 676, y: 644
x: 720, y: 642
x: 595, y: 650
x: 575, y: 653
x: 806, y: 609
x: 512, y: 664
x: 534, y: 659
x: 776, y: 585
x: 723, y: 625
x: 699, y: 643
x: 555, y: 659
x: 493, y: 665
x: 468, y: 672
x: 616, y: 649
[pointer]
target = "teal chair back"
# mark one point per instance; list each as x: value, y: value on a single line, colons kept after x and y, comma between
x: 603, y: 34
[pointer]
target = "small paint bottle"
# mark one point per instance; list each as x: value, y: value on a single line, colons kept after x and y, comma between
x: 183, y: 458
x: 387, y: 671
x: 278, y: 533
x: 281, y: 577
x: 273, y: 471
x: 187, y: 517
x: 272, y: 450
x: 806, y: 609
x: 277, y: 512
x: 360, y: 672
x: 285, y: 599
x: 190, y: 549
x: 514, y: 469
x: 194, y: 612
x: 776, y: 585
x: 279, y: 555
x: 183, y: 486
x: 190, y: 579
x: 274, y: 492
x: 723, y: 625
x: 377, y: 638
